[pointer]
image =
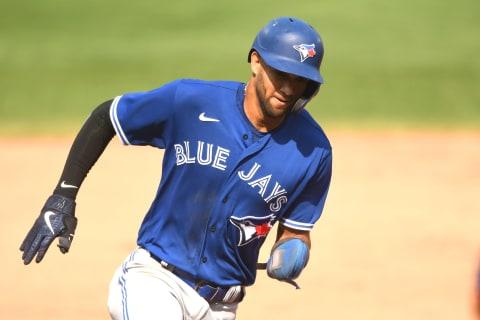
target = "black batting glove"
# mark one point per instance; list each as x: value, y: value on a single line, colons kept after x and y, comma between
x: 57, y: 219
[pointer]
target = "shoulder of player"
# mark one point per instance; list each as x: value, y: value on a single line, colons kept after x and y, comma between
x: 221, y: 84
x: 305, y: 126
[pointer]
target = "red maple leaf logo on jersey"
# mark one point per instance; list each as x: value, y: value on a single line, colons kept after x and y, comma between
x: 263, y: 229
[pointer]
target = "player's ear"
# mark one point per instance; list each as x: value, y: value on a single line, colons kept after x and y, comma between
x: 254, y: 62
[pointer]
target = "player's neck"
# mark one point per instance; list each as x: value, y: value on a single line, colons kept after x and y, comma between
x: 254, y: 113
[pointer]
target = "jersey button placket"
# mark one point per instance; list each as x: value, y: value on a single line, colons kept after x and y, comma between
x: 204, y: 259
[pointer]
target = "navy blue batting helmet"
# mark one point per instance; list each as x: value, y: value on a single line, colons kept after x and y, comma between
x: 293, y: 46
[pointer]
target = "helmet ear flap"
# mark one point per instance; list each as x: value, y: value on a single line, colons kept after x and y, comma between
x: 310, y: 92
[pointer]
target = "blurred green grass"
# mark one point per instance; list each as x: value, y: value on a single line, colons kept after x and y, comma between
x: 409, y: 64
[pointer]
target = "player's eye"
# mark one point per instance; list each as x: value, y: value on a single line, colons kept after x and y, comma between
x: 284, y: 76
x: 281, y: 75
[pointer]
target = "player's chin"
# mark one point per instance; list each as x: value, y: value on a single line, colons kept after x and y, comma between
x: 275, y: 109
x: 281, y: 108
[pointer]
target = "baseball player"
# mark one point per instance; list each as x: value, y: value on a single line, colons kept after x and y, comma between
x: 238, y: 158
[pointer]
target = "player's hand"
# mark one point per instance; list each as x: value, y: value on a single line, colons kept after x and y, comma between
x: 57, y: 219
x: 287, y: 260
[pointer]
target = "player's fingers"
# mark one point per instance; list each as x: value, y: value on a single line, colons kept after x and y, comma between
x: 26, y: 243
x: 30, y: 249
x: 64, y: 244
x: 43, y: 248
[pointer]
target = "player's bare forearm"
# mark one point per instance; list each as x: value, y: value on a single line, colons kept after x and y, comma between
x: 285, y: 232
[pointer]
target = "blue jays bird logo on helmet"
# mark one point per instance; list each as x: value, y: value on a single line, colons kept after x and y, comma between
x: 305, y: 50
x: 252, y: 227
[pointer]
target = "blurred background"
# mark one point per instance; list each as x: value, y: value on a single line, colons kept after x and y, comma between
x: 410, y: 63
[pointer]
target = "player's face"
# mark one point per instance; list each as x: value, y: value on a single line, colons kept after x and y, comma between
x: 277, y: 91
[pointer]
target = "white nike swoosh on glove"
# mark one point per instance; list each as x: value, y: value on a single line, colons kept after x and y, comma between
x: 47, y: 216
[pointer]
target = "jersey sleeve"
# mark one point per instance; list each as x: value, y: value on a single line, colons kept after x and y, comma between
x: 308, y: 206
x: 141, y: 118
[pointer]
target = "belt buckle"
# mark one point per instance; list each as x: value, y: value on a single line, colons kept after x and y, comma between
x: 234, y: 294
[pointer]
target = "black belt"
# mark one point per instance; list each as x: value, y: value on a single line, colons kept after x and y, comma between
x: 210, y: 292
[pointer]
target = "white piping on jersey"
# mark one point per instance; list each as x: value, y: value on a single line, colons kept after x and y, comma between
x: 116, y: 123
x: 297, y: 225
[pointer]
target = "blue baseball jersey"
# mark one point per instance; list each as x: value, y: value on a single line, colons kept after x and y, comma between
x: 224, y: 184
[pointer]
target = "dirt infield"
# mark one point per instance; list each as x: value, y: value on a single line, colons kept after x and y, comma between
x: 399, y: 238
